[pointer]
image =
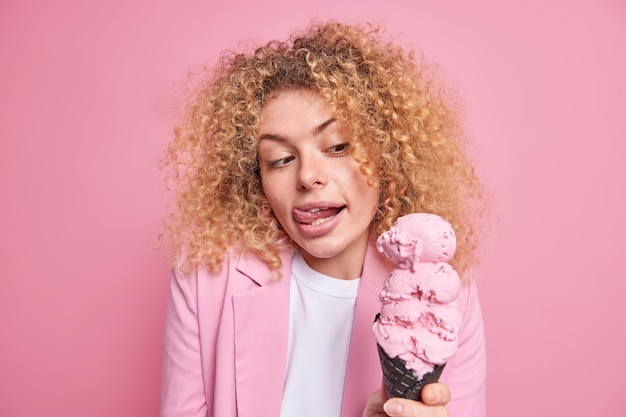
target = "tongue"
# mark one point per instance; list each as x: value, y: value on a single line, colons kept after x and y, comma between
x: 308, y: 217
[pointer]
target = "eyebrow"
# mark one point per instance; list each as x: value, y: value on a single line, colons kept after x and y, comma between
x: 319, y: 129
x: 316, y: 131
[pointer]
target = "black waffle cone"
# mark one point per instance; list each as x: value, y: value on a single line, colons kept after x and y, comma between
x: 401, y: 382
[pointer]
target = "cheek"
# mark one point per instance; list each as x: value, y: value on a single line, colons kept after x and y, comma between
x: 356, y: 179
x: 275, y: 198
x: 370, y: 195
x: 268, y: 185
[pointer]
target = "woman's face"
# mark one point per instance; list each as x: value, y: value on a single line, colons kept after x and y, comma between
x: 314, y: 187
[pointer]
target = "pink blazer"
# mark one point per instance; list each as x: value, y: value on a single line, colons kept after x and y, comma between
x: 225, y: 350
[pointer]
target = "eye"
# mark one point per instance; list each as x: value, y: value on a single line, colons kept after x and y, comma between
x: 339, y: 149
x: 280, y: 162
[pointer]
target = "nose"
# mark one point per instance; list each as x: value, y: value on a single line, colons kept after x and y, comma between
x: 312, y: 173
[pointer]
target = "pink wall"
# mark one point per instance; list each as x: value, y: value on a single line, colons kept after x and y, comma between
x: 85, y: 96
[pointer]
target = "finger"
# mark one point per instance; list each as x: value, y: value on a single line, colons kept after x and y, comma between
x: 399, y: 407
x: 377, y: 400
x: 436, y: 394
x: 383, y: 390
x: 374, y: 406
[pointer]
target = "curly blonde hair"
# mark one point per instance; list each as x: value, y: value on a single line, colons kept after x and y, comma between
x: 405, y: 134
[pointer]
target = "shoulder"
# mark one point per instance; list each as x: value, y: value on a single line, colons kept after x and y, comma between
x: 240, y: 271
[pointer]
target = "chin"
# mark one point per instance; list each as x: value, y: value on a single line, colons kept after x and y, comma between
x: 319, y: 254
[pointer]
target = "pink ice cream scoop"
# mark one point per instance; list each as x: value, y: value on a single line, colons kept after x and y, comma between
x: 419, y: 320
x: 418, y: 237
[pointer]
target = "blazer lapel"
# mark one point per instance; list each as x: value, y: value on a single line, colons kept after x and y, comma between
x: 362, y: 379
x: 261, y: 345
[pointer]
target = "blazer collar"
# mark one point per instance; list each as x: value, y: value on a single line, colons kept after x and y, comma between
x: 261, y: 326
x: 362, y: 379
x: 259, y: 388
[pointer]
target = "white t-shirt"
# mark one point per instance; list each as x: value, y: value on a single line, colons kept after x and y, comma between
x: 320, y: 323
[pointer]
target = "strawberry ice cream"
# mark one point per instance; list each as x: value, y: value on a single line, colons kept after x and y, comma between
x: 418, y: 324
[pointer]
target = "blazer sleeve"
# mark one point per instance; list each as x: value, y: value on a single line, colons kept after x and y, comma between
x: 182, y: 386
x: 465, y: 375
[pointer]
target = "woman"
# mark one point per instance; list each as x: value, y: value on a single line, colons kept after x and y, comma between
x: 290, y: 161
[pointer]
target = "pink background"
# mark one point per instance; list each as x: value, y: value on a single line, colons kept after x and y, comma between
x: 86, y: 96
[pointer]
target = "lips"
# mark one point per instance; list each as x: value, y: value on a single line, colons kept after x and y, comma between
x: 315, y: 214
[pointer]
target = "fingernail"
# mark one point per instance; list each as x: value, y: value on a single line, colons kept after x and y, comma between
x: 392, y: 408
x: 429, y: 396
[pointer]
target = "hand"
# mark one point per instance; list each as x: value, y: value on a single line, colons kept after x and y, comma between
x: 434, y: 396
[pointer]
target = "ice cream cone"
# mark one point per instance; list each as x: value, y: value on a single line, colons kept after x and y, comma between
x: 419, y: 318
x: 401, y: 382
